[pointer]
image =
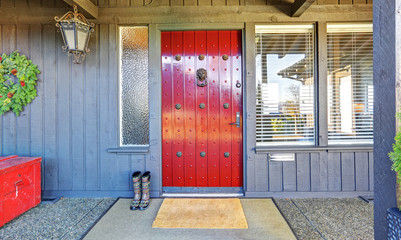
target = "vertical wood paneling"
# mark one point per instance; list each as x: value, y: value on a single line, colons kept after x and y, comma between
x: 303, y: 172
x: 362, y: 171
x: 261, y: 173
x: 315, y: 171
x: 36, y: 107
x: 154, y: 164
x: 77, y: 126
x: 249, y: 114
x: 51, y: 167
x: 22, y: 125
x: 9, y: 119
x: 371, y: 172
x: 104, y: 126
x: 250, y: 176
x: 275, y: 176
x: 91, y: 120
x: 63, y: 102
x: 334, y: 172
x: 119, y: 163
x: 348, y: 171
x: 289, y: 176
x: 73, y: 121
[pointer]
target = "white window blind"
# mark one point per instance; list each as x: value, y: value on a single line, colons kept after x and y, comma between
x: 285, y: 105
x: 350, y: 83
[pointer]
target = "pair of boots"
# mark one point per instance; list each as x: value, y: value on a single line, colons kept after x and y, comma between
x: 141, y: 191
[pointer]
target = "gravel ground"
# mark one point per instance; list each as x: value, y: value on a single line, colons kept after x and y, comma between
x: 69, y: 218
x: 328, y: 218
x: 310, y: 219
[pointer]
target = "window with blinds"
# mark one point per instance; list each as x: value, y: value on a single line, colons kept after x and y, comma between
x: 350, y: 83
x: 285, y: 105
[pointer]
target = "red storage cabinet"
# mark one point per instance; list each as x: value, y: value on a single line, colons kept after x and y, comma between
x: 20, y: 186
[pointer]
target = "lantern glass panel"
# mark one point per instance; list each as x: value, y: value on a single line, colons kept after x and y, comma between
x: 82, y: 35
x: 69, y: 34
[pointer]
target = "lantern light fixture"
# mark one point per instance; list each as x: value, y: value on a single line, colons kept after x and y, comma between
x: 76, y: 31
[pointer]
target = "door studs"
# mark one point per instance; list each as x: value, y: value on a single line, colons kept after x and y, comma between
x: 226, y: 105
x: 202, y: 154
x: 179, y: 154
x: 226, y: 154
x: 178, y: 57
x: 178, y: 106
x: 202, y: 106
x: 225, y: 57
x: 201, y: 57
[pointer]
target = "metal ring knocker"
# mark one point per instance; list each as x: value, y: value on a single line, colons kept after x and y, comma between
x: 201, y: 77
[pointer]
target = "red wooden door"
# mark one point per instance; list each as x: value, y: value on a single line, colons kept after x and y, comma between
x: 202, y: 119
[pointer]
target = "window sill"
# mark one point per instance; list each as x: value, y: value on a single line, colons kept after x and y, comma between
x: 144, y: 149
x: 334, y: 148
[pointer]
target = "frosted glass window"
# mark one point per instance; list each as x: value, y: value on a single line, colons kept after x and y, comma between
x: 134, y: 110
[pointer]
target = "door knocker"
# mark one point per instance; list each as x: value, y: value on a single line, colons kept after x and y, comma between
x: 201, y: 76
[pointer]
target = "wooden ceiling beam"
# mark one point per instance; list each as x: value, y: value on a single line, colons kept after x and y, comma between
x: 86, y: 7
x: 300, y: 6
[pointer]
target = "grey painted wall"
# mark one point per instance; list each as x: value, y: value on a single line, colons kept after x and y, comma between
x: 386, y: 79
x: 74, y: 120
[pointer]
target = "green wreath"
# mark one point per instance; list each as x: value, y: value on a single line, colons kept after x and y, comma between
x: 16, y: 95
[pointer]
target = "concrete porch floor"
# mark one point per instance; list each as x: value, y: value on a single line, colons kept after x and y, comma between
x: 71, y: 218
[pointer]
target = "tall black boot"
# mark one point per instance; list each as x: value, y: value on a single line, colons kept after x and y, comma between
x: 136, y: 182
x: 145, y: 200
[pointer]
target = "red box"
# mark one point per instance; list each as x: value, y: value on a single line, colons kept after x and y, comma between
x: 20, y: 188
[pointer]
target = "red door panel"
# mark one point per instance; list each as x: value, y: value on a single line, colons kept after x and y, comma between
x: 214, y: 110
x: 189, y: 109
x: 200, y: 146
x: 167, y: 160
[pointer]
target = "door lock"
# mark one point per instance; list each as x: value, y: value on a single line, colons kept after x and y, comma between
x: 237, y: 120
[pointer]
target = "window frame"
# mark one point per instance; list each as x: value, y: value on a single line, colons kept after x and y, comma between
x: 315, y: 140
x: 346, y: 143
x: 321, y: 100
x: 134, y: 148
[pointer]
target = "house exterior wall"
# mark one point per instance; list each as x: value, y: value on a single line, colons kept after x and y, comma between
x: 74, y: 120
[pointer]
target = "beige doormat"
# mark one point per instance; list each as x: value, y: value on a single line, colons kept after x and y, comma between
x: 223, y: 213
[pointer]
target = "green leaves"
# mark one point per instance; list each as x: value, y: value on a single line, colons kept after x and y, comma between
x: 15, y: 69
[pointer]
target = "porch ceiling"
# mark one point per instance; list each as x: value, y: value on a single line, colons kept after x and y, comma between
x: 85, y: 6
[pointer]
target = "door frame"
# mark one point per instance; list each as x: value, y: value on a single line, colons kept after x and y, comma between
x: 155, y: 89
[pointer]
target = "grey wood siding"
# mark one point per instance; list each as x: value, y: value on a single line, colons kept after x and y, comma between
x: 73, y: 120
x: 314, y: 172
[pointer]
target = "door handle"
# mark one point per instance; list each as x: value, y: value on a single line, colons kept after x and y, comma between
x: 237, y: 120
